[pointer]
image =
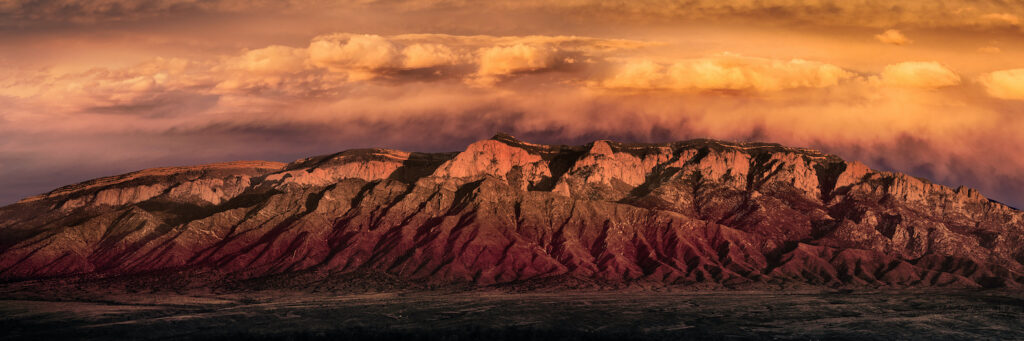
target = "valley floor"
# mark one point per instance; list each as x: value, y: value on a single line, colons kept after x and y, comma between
x: 490, y: 315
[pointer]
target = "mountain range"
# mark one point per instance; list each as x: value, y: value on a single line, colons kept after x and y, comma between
x: 504, y: 211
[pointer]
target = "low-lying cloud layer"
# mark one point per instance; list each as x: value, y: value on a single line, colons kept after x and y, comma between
x: 726, y: 72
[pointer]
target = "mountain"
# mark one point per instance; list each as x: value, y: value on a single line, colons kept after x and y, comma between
x: 504, y: 211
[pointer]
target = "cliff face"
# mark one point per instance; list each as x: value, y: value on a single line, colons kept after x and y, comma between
x: 503, y: 210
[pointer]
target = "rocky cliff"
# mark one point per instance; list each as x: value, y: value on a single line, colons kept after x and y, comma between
x: 506, y: 211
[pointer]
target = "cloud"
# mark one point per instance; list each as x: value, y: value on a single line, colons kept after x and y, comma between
x: 969, y: 15
x: 504, y: 60
x: 357, y: 54
x: 274, y: 67
x: 146, y: 89
x: 894, y: 37
x: 364, y: 57
x: 726, y: 72
x: 419, y: 56
x: 851, y: 118
x: 271, y: 59
x: 322, y: 69
x: 919, y: 75
x: 499, y: 61
x: 638, y: 74
x: 1002, y: 18
x: 1005, y: 84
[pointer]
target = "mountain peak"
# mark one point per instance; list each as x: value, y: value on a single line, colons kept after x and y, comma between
x: 505, y: 137
x: 246, y: 168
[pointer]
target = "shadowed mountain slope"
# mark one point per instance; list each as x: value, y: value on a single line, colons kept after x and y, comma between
x: 506, y: 211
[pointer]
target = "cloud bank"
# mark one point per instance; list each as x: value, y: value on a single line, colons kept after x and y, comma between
x: 726, y: 72
x: 347, y: 90
x: 97, y: 87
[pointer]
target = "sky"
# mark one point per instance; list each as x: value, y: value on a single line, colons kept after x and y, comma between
x: 94, y: 88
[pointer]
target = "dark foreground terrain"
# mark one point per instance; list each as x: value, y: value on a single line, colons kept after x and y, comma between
x: 601, y: 315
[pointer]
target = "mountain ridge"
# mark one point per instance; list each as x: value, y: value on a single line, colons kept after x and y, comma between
x: 696, y: 212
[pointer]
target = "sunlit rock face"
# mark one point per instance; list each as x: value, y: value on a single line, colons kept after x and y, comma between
x: 699, y: 212
x: 207, y: 184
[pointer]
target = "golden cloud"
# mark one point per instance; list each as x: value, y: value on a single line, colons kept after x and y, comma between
x: 726, y: 72
x: 1002, y: 18
x: 499, y: 61
x: 419, y: 56
x: 1005, y: 84
x: 919, y: 75
x: 271, y: 59
x: 504, y: 60
x: 365, y: 57
x: 272, y: 67
x: 894, y: 37
x: 354, y: 53
x: 329, y: 63
x: 107, y: 88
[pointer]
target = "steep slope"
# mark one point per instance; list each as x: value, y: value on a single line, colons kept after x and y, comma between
x: 506, y: 211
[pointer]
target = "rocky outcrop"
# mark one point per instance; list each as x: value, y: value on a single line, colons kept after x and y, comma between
x: 505, y: 211
x: 210, y: 184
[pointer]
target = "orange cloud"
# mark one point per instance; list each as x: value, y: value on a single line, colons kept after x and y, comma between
x: 726, y: 72
x: 1002, y: 18
x: 357, y: 54
x: 265, y: 68
x: 506, y: 60
x: 365, y: 57
x: 1005, y: 84
x: 919, y: 75
x: 418, y: 56
x: 328, y: 64
x: 271, y: 59
x: 894, y: 37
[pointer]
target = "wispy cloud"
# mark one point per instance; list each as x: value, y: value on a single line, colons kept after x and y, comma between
x: 894, y: 37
